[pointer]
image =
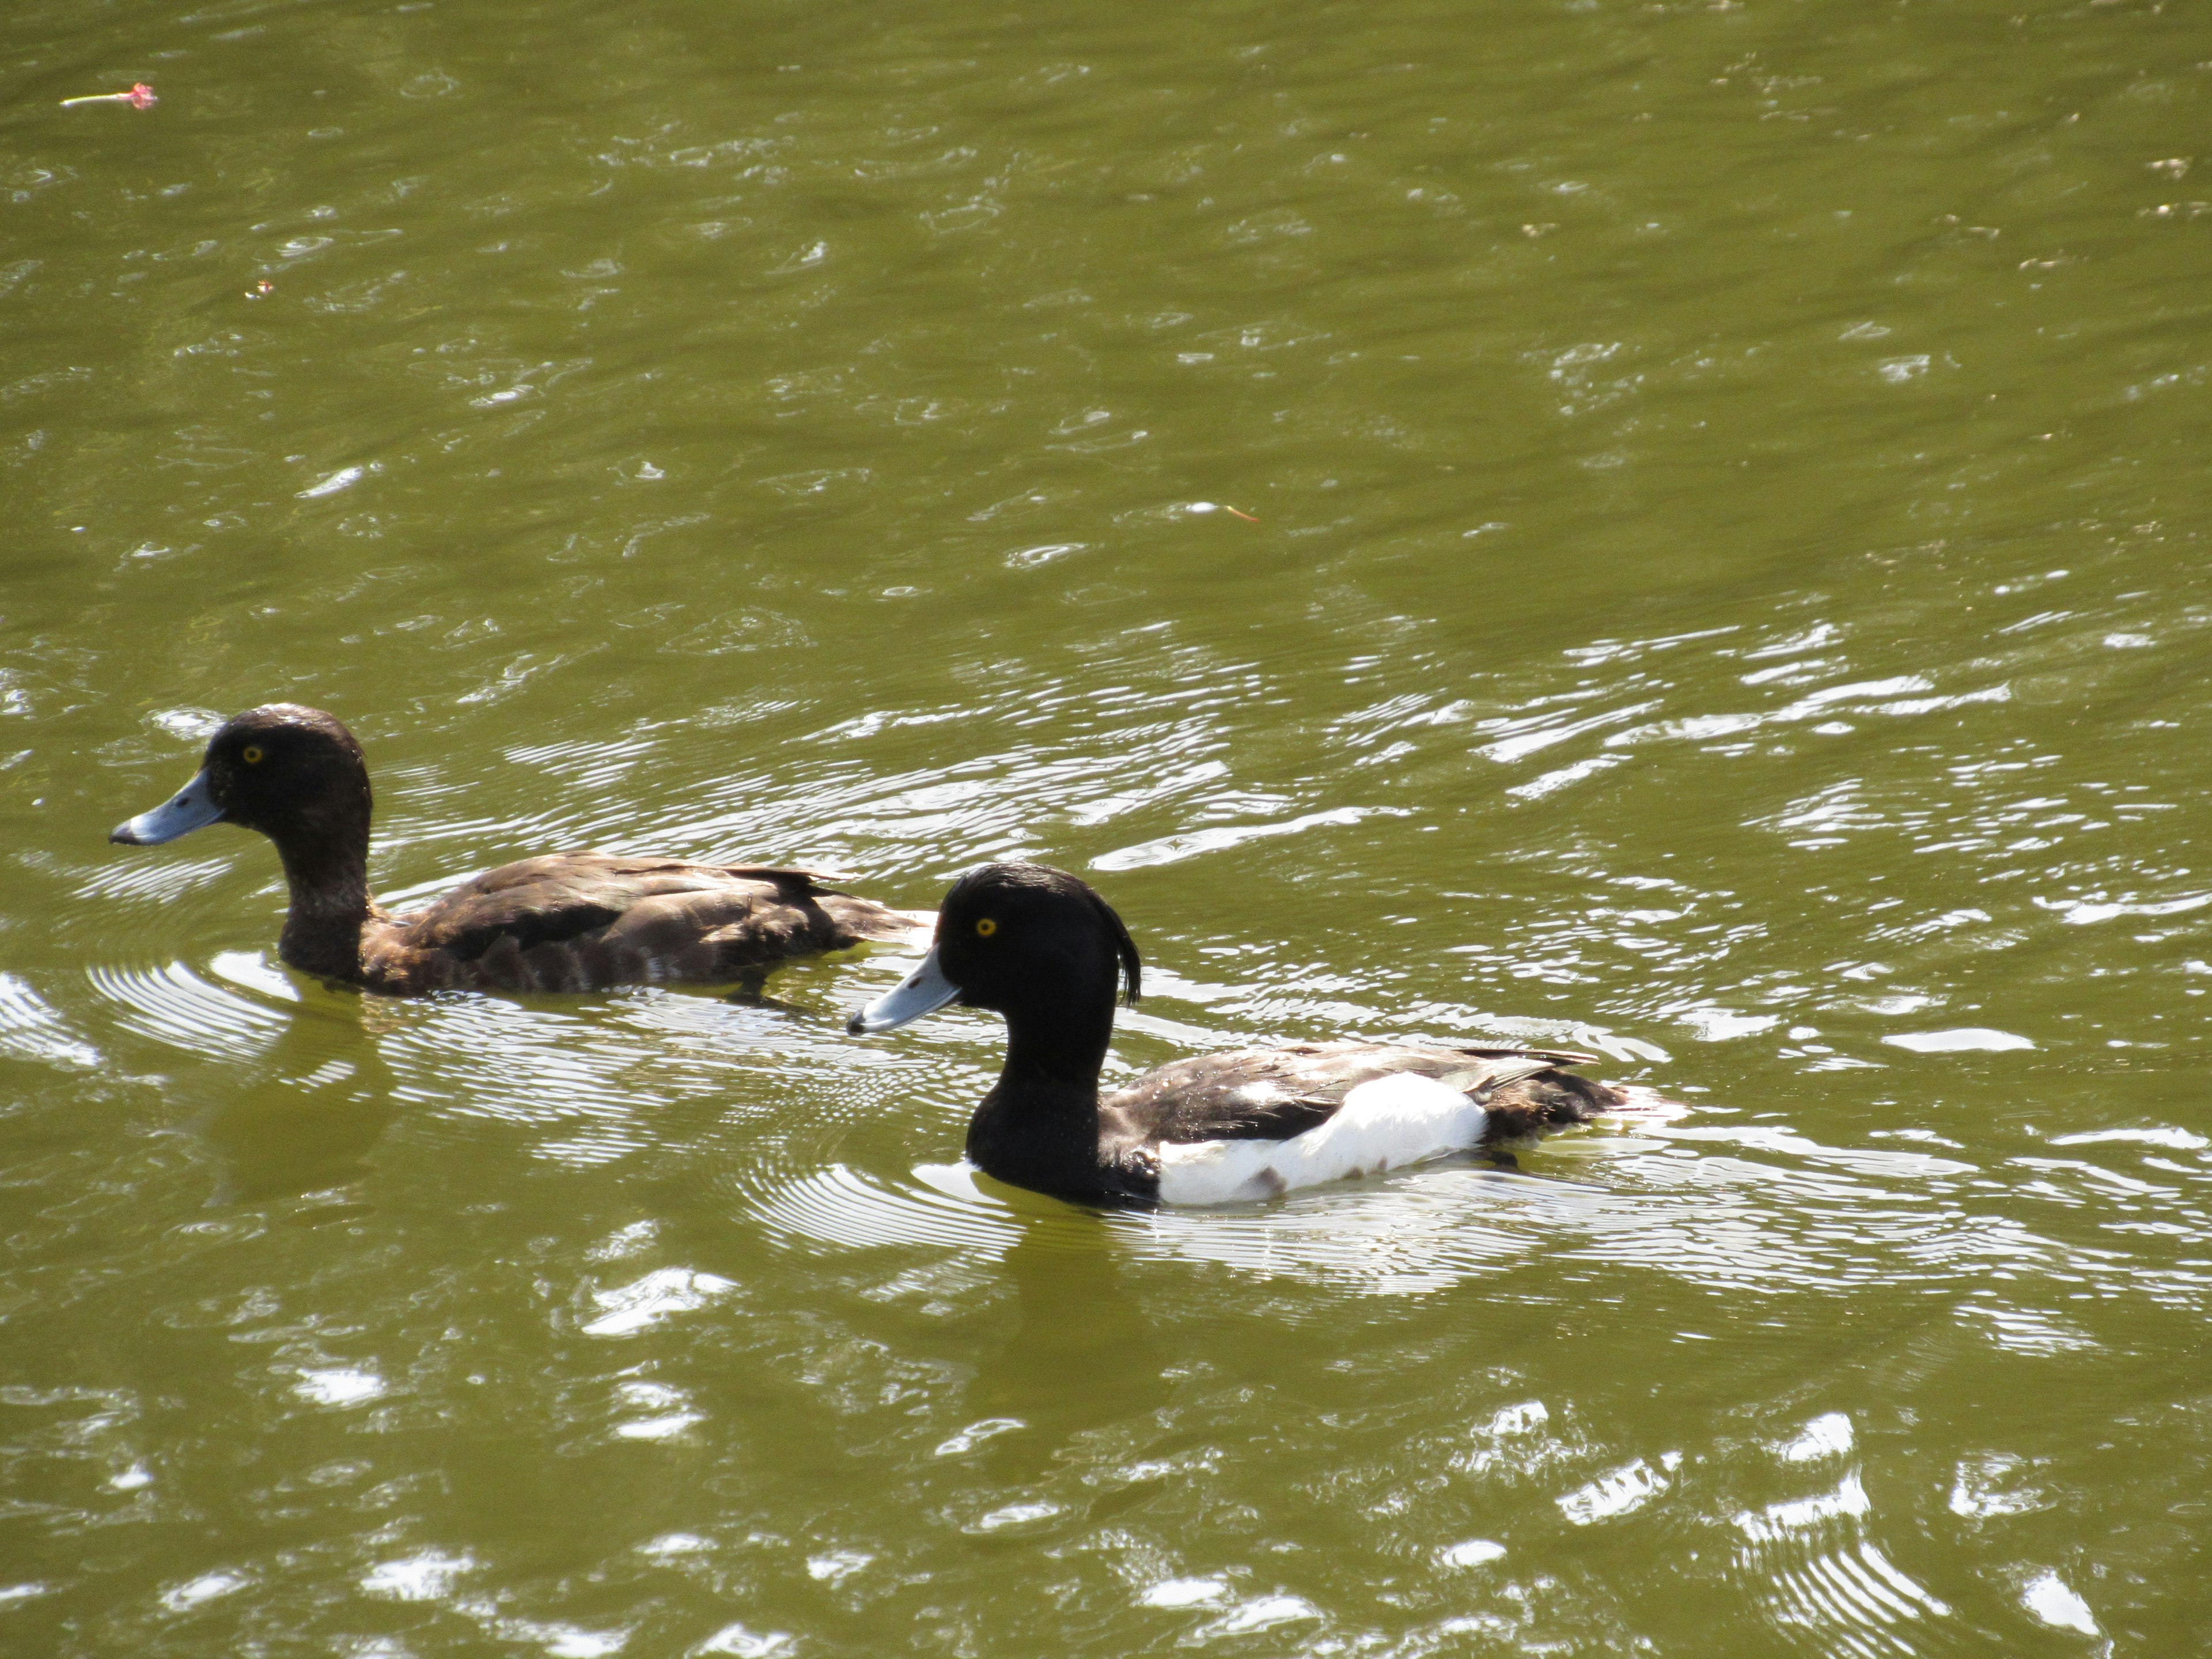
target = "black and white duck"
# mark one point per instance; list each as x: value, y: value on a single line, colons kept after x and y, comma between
x: 1045, y: 950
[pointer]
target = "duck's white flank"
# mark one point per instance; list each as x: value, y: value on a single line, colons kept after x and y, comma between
x: 1384, y: 1124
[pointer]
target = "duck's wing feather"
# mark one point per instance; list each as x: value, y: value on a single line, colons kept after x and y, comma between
x: 583, y: 920
x: 1273, y: 1094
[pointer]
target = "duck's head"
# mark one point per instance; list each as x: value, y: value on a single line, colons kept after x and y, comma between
x: 1024, y: 939
x: 294, y: 774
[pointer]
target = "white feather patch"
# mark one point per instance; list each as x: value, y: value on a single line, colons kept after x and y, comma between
x: 1384, y: 1124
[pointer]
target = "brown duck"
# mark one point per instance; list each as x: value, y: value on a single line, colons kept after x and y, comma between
x: 565, y: 921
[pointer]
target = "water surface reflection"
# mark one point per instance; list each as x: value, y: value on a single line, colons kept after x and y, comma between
x: 1714, y: 580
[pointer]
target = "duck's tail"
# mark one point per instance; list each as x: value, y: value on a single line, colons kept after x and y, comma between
x: 878, y: 924
x: 1636, y: 1100
x: 1554, y: 1099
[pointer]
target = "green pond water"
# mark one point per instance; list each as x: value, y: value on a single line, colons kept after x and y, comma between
x: 1717, y: 578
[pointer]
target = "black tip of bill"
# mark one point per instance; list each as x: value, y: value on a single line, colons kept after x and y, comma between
x: 924, y: 991
x: 194, y: 808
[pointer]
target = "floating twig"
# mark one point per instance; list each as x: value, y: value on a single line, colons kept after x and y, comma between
x: 141, y: 96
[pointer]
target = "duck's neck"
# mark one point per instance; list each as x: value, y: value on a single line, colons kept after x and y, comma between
x: 1057, y: 1052
x: 1038, y: 1127
x: 330, y: 903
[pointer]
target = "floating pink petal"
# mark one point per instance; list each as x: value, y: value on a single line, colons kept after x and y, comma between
x: 141, y: 96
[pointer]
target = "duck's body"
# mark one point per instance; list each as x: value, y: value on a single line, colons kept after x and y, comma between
x: 563, y: 921
x: 583, y: 921
x: 1250, y: 1124
x: 1044, y: 949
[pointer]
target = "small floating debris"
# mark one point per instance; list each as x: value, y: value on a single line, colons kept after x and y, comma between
x: 141, y: 96
x: 1220, y: 506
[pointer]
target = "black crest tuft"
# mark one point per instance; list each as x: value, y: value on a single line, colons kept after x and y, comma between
x: 1133, y: 965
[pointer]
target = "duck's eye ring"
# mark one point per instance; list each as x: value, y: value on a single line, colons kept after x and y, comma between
x: 251, y: 756
x: 985, y: 926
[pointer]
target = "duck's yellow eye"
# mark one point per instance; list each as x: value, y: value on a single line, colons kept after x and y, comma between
x: 985, y: 927
x: 251, y: 756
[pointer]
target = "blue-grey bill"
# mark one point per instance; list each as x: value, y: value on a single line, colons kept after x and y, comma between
x: 193, y: 808
x: 924, y: 991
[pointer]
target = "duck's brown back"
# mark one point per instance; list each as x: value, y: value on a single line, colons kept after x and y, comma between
x: 583, y: 921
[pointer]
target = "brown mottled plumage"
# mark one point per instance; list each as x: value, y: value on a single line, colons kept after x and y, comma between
x: 563, y: 921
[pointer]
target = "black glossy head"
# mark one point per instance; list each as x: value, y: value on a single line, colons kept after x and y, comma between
x: 1019, y: 937
x: 296, y: 775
